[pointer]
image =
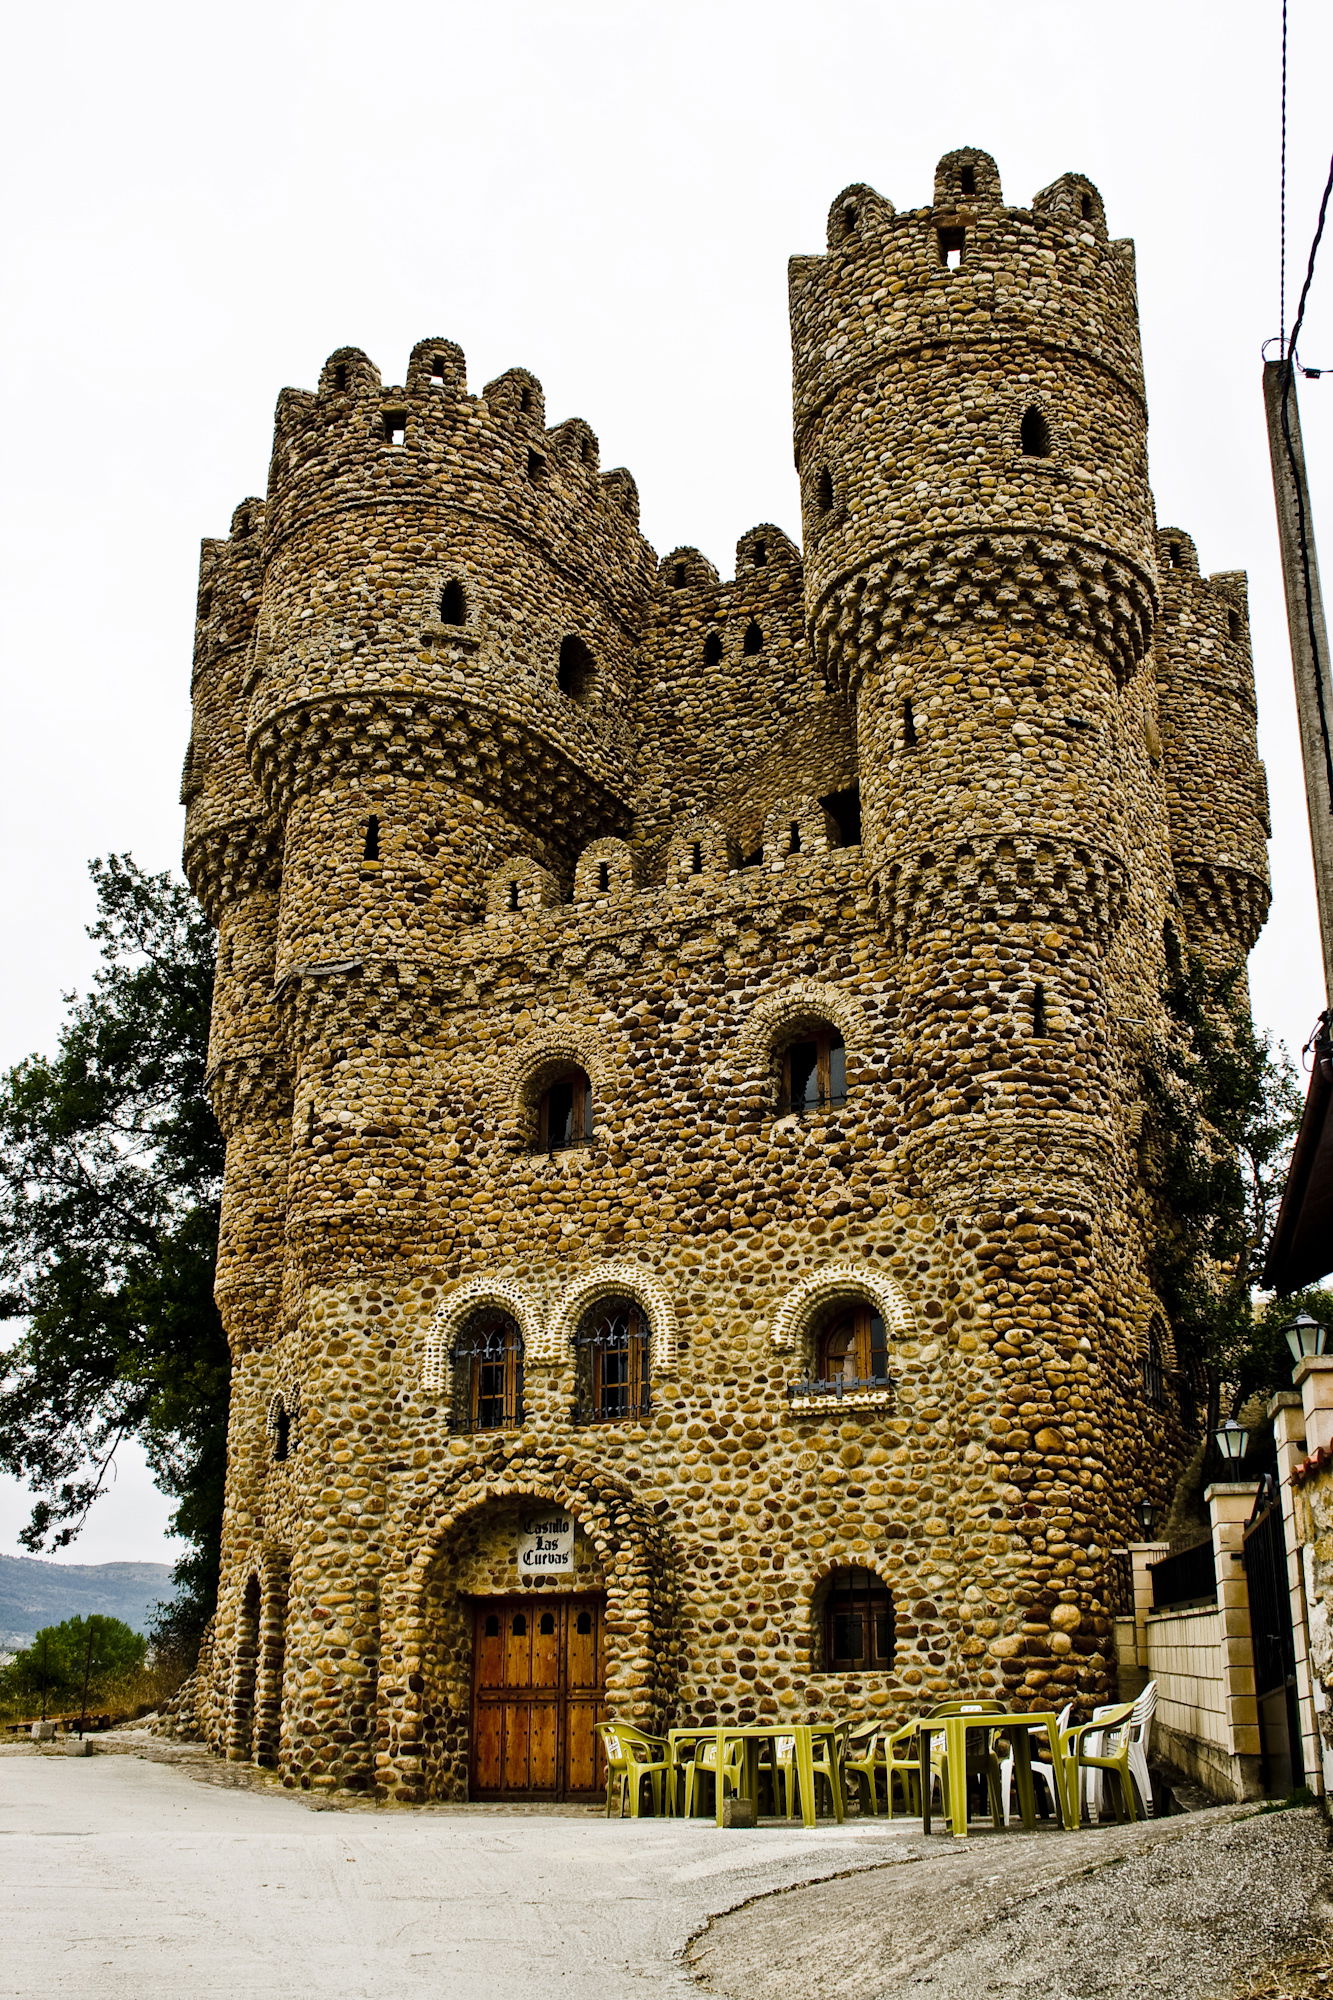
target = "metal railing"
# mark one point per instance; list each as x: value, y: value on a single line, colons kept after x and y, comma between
x: 835, y: 1387
x: 1189, y: 1576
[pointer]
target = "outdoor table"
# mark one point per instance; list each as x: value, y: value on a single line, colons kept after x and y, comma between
x: 752, y: 1734
x: 1016, y: 1726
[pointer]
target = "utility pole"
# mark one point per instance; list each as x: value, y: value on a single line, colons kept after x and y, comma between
x: 1309, y: 634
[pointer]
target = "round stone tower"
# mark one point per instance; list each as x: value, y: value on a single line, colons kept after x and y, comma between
x: 981, y: 577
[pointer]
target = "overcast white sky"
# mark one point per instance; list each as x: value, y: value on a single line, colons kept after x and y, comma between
x: 202, y: 204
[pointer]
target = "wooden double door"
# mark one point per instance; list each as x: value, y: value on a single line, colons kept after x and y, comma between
x: 538, y: 1694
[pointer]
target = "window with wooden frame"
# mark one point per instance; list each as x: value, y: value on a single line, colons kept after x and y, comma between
x: 851, y: 1346
x: 611, y: 1350
x: 814, y: 1071
x: 488, y: 1374
x: 857, y: 1624
x: 564, y: 1111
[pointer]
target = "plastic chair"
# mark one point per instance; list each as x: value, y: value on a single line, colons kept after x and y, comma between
x: 703, y: 1767
x: 982, y: 1761
x: 864, y: 1762
x: 829, y: 1756
x: 1140, y: 1735
x: 631, y: 1757
x: 1040, y: 1769
x: 1102, y: 1745
x: 777, y: 1763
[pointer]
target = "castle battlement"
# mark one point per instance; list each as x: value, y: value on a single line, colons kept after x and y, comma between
x: 679, y: 1037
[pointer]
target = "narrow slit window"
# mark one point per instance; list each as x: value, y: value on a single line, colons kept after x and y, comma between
x: 340, y: 379
x: 849, y: 219
x: 967, y: 180
x: 713, y: 649
x: 844, y: 809
x: 395, y: 427
x: 525, y: 401
x: 1233, y: 625
x: 511, y: 897
x: 753, y: 641
x: 760, y: 553
x: 910, y: 737
x: 1039, y: 1023
x: 1034, y: 434
x: 282, y: 1434
x: 242, y: 527
x: 453, y: 604
x: 679, y: 577
x: 370, y: 850
x: 536, y: 467
x: 696, y: 857
x: 206, y: 605
x: 437, y: 374
x: 1085, y: 207
x: 952, y: 244
x: 825, y: 491
x: 793, y: 838
x: 603, y: 876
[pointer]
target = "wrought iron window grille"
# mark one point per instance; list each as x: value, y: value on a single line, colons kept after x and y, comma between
x: 487, y: 1377
x: 611, y: 1353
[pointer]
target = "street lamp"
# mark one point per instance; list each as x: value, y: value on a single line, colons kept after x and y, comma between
x: 1305, y: 1337
x: 1146, y: 1511
x: 1232, y: 1439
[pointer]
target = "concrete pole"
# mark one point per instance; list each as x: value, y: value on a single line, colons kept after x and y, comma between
x: 1310, y: 663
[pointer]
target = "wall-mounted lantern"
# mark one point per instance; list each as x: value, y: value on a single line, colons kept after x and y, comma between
x: 1305, y: 1337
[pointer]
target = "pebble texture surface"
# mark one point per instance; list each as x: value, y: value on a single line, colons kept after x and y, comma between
x: 480, y: 790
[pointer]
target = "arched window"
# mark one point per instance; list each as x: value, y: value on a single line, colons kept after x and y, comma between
x: 753, y: 641
x: 282, y: 1433
x: 611, y: 1357
x: 576, y: 668
x: 857, y: 1623
x: 814, y: 1071
x: 967, y: 180
x: 1154, y: 1368
x: 851, y: 1346
x: 488, y: 1374
x: 1035, y: 434
x: 564, y: 1111
x: 453, y: 604
x: 712, y: 649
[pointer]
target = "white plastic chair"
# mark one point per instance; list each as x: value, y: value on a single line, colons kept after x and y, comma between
x: 1039, y: 1769
x: 1138, y: 1730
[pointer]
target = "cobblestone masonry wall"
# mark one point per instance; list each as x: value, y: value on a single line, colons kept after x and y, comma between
x: 477, y: 786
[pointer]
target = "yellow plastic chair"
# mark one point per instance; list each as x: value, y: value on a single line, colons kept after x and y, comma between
x: 829, y: 1755
x: 901, y: 1750
x: 1114, y: 1727
x: 704, y: 1768
x: 777, y: 1763
x: 632, y: 1757
x: 863, y: 1764
x: 981, y: 1758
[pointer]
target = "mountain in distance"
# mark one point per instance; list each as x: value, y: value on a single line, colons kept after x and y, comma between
x: 35, y: 1593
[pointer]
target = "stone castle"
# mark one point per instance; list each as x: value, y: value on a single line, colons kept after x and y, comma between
x: 679, y: 1040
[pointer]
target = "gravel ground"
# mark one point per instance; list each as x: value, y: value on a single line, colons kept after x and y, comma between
x: 1195, y: 1908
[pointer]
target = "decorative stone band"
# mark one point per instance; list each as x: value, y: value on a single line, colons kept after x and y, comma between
x: 570, y: 792
x: 251, y: 1311
x: 390, y: 999
x: 1047, y: 1159
x: 245, y: 1090
x: 548, y: 1339
x: 1018, y: 879
x: 230, y: 862
x: 1222, y: 905
x: 1024, y: 578
x: 793, y: 1322
x: 453, y: 1313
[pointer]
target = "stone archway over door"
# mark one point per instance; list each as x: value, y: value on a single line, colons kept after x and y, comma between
x: 538, y: 1694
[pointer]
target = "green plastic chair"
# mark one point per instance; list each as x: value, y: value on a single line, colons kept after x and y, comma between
x: 703, y: 1767
x: 1114, y: 1726
x: 633, y: 1757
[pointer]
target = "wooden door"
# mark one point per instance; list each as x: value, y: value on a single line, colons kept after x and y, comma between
x: 537, y: 1697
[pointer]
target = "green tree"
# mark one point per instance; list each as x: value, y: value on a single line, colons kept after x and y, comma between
x: 110, y: 1179
x: 55, y: 1663
x: 1221, y: 1111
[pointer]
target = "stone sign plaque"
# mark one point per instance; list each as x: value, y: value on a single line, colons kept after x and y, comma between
x: 546, y: 1545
